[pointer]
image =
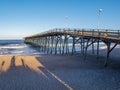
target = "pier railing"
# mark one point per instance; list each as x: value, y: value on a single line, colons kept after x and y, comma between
x: 99, y: 33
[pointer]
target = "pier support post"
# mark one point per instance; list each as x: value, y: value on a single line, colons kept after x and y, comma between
x: 64, y: 44
x: 108, y: 53
x: 97, y: 49
x: 52, y: 42
x: 92, y: 46
x: 83, y: 46
x: 109, y: 49
x: 85, y: 53
x: 67, y: 46
x: 56, y: 44
x: 48, y: 44
x: 73, y: 45
x: 60, y: 44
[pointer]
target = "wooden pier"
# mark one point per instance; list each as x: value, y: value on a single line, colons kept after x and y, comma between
x: 56, y: 41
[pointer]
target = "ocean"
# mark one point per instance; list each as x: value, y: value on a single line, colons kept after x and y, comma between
x: 18, y: 47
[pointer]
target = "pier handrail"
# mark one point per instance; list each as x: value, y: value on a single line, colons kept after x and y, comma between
x: 105, y: 33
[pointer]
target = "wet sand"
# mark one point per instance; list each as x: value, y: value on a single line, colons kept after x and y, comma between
x: 57, y: 72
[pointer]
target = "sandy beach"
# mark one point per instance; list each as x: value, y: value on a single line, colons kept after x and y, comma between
x: 57, y: 72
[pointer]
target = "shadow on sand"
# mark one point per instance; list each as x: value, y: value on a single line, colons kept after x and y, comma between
x: 8, y: 63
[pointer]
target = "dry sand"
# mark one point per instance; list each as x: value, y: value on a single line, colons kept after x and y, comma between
x: 50, y: 72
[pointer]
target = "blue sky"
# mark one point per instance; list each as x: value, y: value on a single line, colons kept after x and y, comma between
x: 20, y: 18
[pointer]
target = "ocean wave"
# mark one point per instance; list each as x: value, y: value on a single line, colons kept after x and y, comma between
x: 25, y: 49
x: 13, y: 46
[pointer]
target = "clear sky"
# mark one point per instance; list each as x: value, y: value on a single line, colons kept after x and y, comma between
x: 19, y: 18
